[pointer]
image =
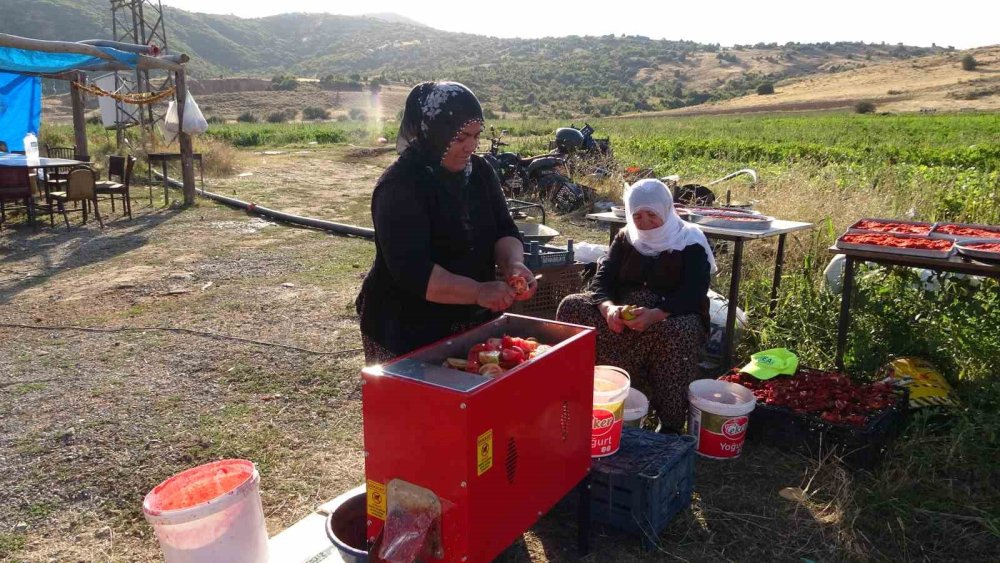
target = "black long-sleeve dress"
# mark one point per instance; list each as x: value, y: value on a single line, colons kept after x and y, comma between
x: 423, y: 216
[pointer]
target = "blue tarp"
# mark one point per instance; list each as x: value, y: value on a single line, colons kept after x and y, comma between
x: 20, y: 108
x: 23, y: 60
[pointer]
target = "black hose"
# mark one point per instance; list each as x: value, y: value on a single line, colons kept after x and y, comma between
x: 322, y: 224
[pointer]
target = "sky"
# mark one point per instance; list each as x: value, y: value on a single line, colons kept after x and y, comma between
x: 959, y: 23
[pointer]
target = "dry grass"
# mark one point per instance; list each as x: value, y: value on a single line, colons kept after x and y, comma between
x: 90, y: 422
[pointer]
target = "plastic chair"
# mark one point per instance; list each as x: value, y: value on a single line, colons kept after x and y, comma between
x: 81, y: 186
x: 119, y: 167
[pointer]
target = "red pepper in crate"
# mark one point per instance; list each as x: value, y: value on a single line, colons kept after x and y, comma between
x: 831, y: 396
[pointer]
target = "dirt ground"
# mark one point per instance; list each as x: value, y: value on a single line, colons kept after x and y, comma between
x: 153, y: 383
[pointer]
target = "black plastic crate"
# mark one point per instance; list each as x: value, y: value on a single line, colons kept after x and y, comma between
x: 858, y: 447
x: 537, y: 256
x: 645, y: 484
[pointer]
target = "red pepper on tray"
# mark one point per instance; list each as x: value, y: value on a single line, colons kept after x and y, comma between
x: 896, y: 242
x: 970, y: 232
x: 893, y: 227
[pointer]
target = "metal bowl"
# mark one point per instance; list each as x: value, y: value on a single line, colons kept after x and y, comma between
x: 536, y: 232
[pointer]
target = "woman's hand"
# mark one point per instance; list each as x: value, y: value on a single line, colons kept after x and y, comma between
x: 495, y: 295
x: 644, y: 317
x: 613, y: 315
x: 519, y: 269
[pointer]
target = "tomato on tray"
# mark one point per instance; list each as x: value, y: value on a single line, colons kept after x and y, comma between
x: 968, y: 231
x: 983, y: 246
x: 893, y: 241
x: 884, y: 226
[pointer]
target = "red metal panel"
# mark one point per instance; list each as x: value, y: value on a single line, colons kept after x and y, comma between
x: 540, y: 415
x: 533, y: 421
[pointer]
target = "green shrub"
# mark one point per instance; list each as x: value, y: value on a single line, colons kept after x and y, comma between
x: 765, y: 89
x: 277, y: 117
x: 864, y: 107
x: 312, y: 113
x: 969, y: 62
x: 215, y: 120
x: 357, y: 114
x: 247, y: 117
x: 284, y: 82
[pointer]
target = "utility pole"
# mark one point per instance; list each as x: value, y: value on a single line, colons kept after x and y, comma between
x: 139, y: 22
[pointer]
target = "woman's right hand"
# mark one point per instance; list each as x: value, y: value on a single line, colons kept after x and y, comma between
x: 613, y: 315
x: 495, y: 295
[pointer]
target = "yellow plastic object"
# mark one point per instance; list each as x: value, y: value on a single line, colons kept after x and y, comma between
x: 928, y: 388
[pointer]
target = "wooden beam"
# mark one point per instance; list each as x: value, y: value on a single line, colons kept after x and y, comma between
x: 79, y: 121
x: 184, y: 139
x: 166, y: 62
x: 52, y: 46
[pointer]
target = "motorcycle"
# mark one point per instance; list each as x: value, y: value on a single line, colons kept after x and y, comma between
x: 539, y: 177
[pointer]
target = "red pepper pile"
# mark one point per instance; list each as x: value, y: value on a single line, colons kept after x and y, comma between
x: 898, y: 242
x: 831, y: 396
x: 893, y: 227
x: 970, y: 232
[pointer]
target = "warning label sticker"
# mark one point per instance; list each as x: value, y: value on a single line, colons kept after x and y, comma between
x: 484, y: 452
x: 376, y: 500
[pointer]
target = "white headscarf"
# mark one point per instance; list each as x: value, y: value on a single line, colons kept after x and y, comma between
x: 673, y: 234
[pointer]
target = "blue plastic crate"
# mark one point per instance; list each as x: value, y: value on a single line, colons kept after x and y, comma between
x: 645, y: 484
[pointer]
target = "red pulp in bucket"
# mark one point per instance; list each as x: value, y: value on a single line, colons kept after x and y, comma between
x: 200, y: 485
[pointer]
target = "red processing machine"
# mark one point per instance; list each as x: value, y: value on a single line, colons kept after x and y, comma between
x: 459, y: 465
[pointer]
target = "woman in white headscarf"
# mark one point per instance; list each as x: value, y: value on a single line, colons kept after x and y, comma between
x: 650, y: 302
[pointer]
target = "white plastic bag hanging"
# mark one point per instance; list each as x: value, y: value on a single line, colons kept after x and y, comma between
x: 194, y: 122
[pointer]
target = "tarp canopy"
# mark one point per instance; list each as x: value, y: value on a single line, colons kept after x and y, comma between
x: 41, y: 62
x: 20, y: 108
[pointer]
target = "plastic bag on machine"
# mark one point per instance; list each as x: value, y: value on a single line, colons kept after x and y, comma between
x: 194, y: 122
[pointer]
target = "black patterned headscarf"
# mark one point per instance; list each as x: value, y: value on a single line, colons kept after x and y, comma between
x: 434, y: 114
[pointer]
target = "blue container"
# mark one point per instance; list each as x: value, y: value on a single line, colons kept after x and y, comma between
x: 642, y: 487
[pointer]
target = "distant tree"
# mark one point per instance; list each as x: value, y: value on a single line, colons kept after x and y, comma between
x: 313, y: 113
x: 356, y: 114
x: 284, y: 82
x: 247, y: 117
x: 864, y: 107
x: 969, y: 62
x: 277, y: 117
x: 765, y: 89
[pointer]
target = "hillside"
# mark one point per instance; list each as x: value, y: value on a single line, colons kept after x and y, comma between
x: 565, y: 76
x: 926, y: 84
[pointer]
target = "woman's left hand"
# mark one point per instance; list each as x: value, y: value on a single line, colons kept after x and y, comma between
x: 519, y: 269
x: 644, y: 318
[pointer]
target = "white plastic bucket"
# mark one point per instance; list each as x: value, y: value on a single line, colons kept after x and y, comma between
x: 611, y: 386
x: 718, y: 417
x: 636, y: 408
x: 210, y: 514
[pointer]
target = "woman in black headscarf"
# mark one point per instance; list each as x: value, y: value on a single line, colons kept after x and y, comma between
x: 441, y: 229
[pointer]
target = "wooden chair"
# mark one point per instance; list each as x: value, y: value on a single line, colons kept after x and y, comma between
x: 15, y: 186
x: 119, y: 167
x: 81, y: 186
x: 55, y: 178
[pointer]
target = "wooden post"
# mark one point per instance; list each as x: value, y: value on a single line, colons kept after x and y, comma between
x: 187, y: 152
x: 79, y: 121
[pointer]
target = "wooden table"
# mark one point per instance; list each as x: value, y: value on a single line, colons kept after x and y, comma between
x: 956, y: 264
x: 778, y: 228
x: 163, y: 158
x: 11, y: 160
